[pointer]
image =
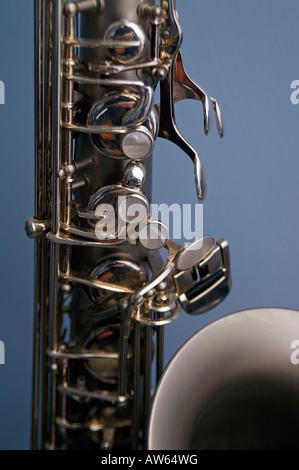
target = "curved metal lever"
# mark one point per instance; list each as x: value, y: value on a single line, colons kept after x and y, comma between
x: 186, y: 88
x: 137, y: 298
x: 168, y: 127
x: 140, y: 113
x: 169, y: 131
x: 180, y: 258
x: 218, y: 113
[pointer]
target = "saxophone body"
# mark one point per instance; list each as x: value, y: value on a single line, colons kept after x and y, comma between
x: 103, y: 293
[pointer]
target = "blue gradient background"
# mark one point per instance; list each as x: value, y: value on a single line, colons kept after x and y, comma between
x: 244, y: 53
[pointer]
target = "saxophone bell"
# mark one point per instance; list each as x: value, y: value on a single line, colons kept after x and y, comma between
x: 242, y: 387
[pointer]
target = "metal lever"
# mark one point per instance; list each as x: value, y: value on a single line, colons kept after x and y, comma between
x: 169, y: 131
x: 219, y: 119
x: 186, y: 88
x: 177, y: 86
x: 168, y: 127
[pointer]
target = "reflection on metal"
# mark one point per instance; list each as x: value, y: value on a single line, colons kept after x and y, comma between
x: 125, y: 31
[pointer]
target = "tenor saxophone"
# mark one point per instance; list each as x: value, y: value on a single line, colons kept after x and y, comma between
x: 103, y: 292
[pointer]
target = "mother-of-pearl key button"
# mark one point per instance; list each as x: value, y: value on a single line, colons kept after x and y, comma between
x: 193, y: 253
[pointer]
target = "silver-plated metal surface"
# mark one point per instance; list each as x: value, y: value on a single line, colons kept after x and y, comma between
x: 37, y: 228
x: 109, y: 68
x: 38, y: 212
x: 71, y: 8
x: 82, y: 355
x: 219, y: 119
x: 121, y: 110
x: 183, y: 280
x: 111, y: 239
x: 103, y: 295
x: 211, y: 263
x: 185, y: 87
x: 130, y: 205
x: 168, y: 127
x: 136, y: 378
x: 162, y: 320
x: 106, y: 338
x: 134, y: 175
x: 213, y: 284
x: 137, y: 298
x: 129, y: 31
x: 123, y: 200
x: 91, y: 426
x: 54, y: 299
x: 96, y: 395
x: 169, y: 131
x: 97, y: 283
x: 147, y: 384
x: 68, y: 239
x: 124, y: 276
x: 135, y: 301
x: 94, y: 43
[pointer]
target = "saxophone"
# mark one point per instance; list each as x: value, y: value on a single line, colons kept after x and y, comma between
x: 103, y: 292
